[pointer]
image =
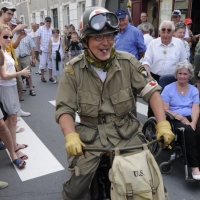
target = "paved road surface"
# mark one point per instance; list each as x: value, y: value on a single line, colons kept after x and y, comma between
x: 46, y: 168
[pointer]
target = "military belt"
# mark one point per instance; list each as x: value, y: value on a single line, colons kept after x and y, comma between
x: 101, y: 119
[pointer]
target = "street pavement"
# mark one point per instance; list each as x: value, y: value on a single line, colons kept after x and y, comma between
x: 46, y: 168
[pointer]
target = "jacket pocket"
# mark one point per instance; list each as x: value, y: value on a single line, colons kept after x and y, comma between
x: 123, y: 101
x: 127, y: 126
x: 88, y: 134
x: 88, y: 103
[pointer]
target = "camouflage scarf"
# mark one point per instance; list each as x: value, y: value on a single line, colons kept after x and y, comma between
x: 104, y: 65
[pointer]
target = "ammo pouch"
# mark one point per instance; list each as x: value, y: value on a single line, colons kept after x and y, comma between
x: 88, y: 133
x: 136, y: 176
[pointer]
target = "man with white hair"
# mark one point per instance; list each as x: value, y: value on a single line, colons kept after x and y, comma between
x: 164, y: 53
x: 145, y: 28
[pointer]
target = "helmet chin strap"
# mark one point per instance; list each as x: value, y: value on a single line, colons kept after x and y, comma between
x: 94, y: 55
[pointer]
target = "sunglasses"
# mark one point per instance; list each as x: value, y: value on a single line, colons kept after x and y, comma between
x: 6, y: 37
x: 174, y: 16
x: 48, y: 21
x: 169, y: 30
x: 54, y: 31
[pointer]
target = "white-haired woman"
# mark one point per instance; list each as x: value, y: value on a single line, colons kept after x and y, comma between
x: 179, y: 32
x: 181, y: 100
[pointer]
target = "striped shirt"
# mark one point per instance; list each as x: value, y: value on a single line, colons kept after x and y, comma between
x: 45, y: 35
x: 25, y: 45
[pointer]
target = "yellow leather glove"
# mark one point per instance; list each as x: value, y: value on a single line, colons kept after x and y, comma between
x: 163, y: 129
x: 73, y: 144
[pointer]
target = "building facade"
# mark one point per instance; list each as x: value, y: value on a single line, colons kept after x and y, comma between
x: 62, y: 12
x: 65, y: 12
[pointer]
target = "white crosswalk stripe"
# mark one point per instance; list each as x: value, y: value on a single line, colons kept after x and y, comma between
x: 41, y: 161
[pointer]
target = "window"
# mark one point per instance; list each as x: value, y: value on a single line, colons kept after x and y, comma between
x: 33, y: 18
x: 55, y: 17
x: 81, y: 9
x: 42, y: 16
x: 66, y: 15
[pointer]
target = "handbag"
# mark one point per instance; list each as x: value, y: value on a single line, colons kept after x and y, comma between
x: 58, y: 57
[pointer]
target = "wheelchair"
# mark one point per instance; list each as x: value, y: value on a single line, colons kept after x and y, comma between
x: 177, y: 146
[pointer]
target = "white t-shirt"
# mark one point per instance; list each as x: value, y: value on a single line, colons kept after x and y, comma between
x: 147, y: 39
x: 186, y: 33
x: 10, y: 68
x: 100, y: 72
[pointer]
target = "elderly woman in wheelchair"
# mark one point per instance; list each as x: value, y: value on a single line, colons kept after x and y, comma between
x: 181, y: 103
x: 181, y: 100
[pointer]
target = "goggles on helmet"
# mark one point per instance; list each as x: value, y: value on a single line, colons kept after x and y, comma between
x: 100, y: 21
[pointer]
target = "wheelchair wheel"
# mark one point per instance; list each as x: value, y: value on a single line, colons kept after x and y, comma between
x: 149, y: 131
x: 165, y: 167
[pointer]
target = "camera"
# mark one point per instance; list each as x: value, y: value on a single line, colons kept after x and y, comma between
x: 22, y: 31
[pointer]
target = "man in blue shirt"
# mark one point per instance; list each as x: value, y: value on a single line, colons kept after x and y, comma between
x: 129, y: 39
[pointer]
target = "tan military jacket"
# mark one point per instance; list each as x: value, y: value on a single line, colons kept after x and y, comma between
x: 82, y: 90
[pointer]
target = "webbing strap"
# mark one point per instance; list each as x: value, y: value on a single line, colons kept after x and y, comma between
x: 129, y: 191
x: 145, y: 147
x: 116, y: 151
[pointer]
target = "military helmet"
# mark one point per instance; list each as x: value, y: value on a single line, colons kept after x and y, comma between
x: 98, y: 20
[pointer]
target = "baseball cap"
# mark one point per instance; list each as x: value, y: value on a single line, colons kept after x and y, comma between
x: 13, y: 21
x: 188, y: 21
x: 176, y: 13
x: 47, y: 18
x: 121, y: 13
x: 7, y: 5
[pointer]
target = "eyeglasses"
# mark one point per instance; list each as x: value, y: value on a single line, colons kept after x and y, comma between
x: 6, y: 37
x: 169, y: 30
x: 99, y: 38
x: 11, y: 14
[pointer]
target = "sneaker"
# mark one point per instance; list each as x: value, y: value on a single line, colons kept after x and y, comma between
x: 21, y: 113
x: 38, y: 72
x: 54, y: 82
x: 3, y: 185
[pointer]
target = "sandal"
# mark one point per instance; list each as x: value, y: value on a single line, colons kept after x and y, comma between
x: 43, y: 80
x: 24, y: 90
x: 51, y: 79
x: 19, y: 129
x: 21, y: 100
x: 32, y: 93
x: 19, y: 161
x: 25, y: 146
x: 24, y: 157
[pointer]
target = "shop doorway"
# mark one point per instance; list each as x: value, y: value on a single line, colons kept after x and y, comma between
x: 195, y: 15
